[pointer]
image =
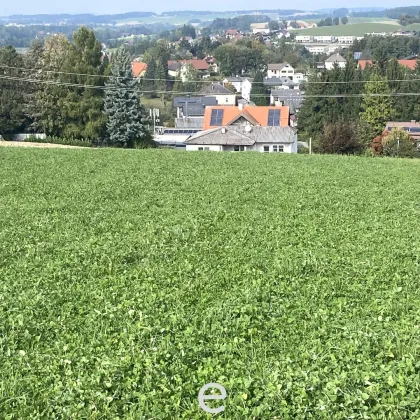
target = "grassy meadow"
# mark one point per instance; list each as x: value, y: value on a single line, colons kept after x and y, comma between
x: 129, y: 279
x: 355, y: 29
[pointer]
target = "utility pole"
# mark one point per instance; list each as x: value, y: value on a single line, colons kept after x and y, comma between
x: 154, y: 114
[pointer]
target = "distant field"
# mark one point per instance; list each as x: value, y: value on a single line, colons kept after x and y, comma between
x: 129, y: 279
x: 180, y: 20
x: 356, y: 29
x: 412, y: 27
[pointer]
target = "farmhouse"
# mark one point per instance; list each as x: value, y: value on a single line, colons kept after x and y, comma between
x: 260, y: 28
x: 245, y: 138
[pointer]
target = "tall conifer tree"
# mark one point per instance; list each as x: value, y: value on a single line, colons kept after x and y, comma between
x: 127, y: 120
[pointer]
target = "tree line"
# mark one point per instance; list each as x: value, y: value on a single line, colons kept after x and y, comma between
x: 345, y: 109
x: 69, y: 89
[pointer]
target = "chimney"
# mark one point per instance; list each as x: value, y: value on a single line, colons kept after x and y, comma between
x: 240, y: 107
x: 223, y: 130
x: 413, y: 121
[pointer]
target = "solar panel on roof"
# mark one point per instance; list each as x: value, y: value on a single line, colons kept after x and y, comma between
x: 273, y: 118
x: 415, y: 130
x: 216, y: 117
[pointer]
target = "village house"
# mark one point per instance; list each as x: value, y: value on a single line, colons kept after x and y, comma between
x: 335, y: 59
x: 190, y: 110
x: 179, y: 68
x: 223, y: 95
x: 139, y: 68
x: 410, y: 64
x: 281, y: 69
x: 242, y: 85
x: 232, y: 33
x: 245, y: 128
x: 260, y: 28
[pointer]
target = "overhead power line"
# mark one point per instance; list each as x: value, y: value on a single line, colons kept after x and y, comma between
x: 192, y: 81
x: 64, y: 84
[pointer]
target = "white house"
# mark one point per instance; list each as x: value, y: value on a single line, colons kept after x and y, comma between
x: 223, y: 95
x: 304, y: 38
x: 324, y: 38
x: 335, y: 58
x: 260, y: 28
x: 346, y: 39
x: 242, y: 85
x: 316, y: 49
x: 246, y: 137
x: 278, y: 70
x: 299, y: 78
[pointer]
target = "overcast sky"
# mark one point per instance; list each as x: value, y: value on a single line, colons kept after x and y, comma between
x: 122, y: 6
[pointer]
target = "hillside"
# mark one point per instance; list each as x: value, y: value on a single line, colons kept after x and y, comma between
x: 356, y: 29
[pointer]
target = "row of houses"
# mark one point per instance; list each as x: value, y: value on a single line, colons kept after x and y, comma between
x: 343, y: 39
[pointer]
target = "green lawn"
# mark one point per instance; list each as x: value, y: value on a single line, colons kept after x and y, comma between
x: 356, y: 29
x: 129, y: 279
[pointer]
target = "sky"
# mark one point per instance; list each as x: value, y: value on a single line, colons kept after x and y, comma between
x: 122, y: 6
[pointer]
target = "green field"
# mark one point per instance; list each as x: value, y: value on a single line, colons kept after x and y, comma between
x: 355, y: 29
x: 129, y: 279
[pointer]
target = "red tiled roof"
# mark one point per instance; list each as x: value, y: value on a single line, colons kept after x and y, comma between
x: 138, y: 68
x: 197, y: 64
x: 231, y: 31
x: 411, y: 64
x: 259, y: 114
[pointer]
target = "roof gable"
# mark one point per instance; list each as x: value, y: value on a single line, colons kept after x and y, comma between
x: 138, y: 68
x: 258, y: 115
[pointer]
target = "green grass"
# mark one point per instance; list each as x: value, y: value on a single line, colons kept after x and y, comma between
x: 356, y: 29
x: 129, y: 279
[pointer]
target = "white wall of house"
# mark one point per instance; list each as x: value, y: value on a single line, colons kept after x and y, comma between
x: 288, y: 71
x: 200, y: 147
x: 261, y: 31
x: 324, y: 38
x: 299, y: 77
x: 287, y: 147
x: 225, y: 99
x: 330, y: 66
x: 304, y: 38
x: 346, y: 39
x: 246, y: 89
x: 257, y: 147
x: 316, y: 50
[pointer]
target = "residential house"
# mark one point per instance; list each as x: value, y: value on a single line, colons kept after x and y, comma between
x: 231, y: 33
x: 223, y: 95
x: 346, y: 39
x: 242, y: 85
x: 179, y: 68
x: 260, y: 28
x: 304, y: 38
x: 139, y: 68
x: 213, y: 66
x: 280, y: 83
x: 324, y: 38
x: 283, y: 33
x: 281, y: 69
x: 290, y: 98
x: 299, y: 78
x: 246, y: 137
x: 411, y: 64
x: 404, y: 33
x: 412, y: 128
x: 335, y: 59
x: 316, y: 49
x: 218, y: 116
x: 190, y: 110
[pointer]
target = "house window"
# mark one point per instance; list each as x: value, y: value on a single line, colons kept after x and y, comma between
x: 216, y: 117
x: 227, y: 99
x: 278, y: 148
x: 238, y: 148
x: 266, y: 149
x: 200, y: 148
x: 273, y: 118
x: 207, y: 148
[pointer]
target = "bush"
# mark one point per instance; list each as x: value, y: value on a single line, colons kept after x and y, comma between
x: 61, y: 140
x: 339, y: 138
x: 398, y: 143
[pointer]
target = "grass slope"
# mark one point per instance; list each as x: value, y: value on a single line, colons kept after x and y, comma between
x: 356, y: 29
x: 129, y: 279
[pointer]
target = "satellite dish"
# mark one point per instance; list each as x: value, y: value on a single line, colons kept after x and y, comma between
x: 248, y: 128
